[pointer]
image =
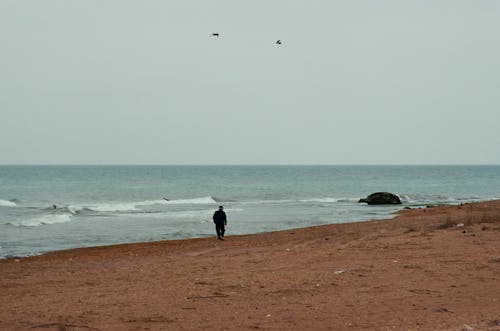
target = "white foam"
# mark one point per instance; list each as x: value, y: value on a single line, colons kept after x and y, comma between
x: 43, y: 220
x: 194, y: 201
x: 406, y: 198
x: 136, y: 206
x: 327, y: 200
x: 132, y: 206
x: 125, y: 206
x: 6, y: 203
x: 110, y: 207
x: 73, y: 209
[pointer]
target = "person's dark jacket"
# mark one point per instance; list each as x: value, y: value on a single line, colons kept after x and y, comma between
x: 220, y: 217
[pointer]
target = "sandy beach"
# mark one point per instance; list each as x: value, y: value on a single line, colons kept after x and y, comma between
x: 427, y: 269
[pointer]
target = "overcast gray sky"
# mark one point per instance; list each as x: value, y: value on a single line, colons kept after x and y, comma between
x: 354, y: 82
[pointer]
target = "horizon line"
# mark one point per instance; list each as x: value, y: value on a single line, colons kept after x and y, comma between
x: 245, y: 164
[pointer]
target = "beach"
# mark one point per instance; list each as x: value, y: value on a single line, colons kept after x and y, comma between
x: 435, y: 268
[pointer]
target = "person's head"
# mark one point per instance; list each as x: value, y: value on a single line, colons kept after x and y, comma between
x: 221, y: 207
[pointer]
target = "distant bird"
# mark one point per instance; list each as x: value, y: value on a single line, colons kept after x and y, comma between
x: 278, y: 42
x: 215, y: 34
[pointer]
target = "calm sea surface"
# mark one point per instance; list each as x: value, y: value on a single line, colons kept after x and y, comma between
x: 100, y: 205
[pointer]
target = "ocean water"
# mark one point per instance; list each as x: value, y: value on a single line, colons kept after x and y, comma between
x: 102, y: 205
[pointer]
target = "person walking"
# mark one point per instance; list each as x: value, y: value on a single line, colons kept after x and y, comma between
x: 220, y: 221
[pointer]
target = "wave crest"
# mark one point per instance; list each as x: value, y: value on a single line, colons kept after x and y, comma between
x: 195, y: 201
x: 327, y: 200
x: 42, y: 220
x: 132, y: 206
x: 7, y: 203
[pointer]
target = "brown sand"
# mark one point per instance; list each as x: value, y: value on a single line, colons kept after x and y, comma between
x: 418, y: 271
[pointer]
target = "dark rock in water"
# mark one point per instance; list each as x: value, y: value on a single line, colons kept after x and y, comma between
x: 382, y: 198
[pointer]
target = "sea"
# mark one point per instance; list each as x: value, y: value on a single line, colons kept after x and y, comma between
x: 48, y: 208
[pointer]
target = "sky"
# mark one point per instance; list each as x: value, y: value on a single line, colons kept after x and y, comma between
x: 353, y: 82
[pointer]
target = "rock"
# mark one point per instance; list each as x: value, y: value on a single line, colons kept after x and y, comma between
x: 382, y: 198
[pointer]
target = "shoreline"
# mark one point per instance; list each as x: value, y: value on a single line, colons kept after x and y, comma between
x: 394, y: 214
x: 424, y: 269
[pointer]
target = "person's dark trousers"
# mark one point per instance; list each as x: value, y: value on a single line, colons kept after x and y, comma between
x: 219, y: 228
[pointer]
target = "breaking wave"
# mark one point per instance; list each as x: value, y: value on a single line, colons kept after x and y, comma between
x: 133, y: 206
x: 104, y: 207
x: 42, y: 220
x: 195, y: 201
x: 7, y: 203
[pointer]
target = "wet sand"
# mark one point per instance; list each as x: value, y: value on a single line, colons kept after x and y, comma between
x: 418, y: 271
